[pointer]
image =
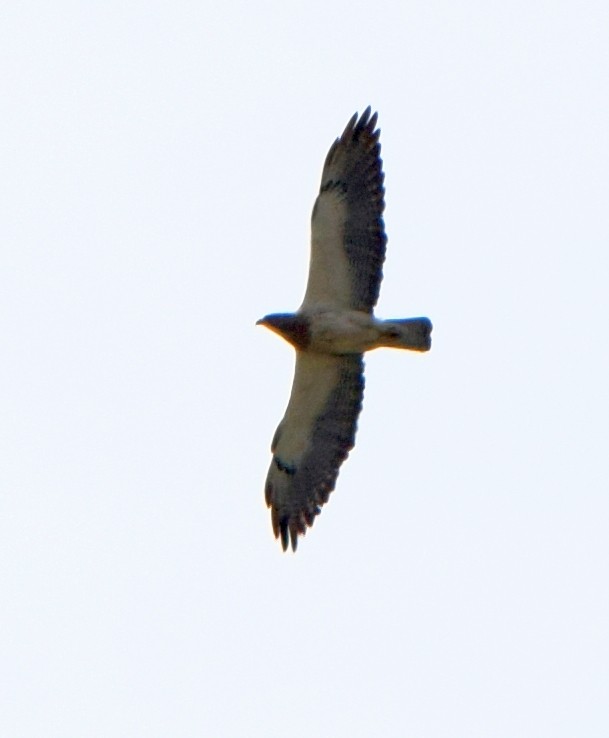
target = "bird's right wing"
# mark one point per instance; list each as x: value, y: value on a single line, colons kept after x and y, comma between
x: 347, y: 230
x: 313, y: 439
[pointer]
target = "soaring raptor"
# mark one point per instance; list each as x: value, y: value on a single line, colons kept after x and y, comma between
x: 331, y: 330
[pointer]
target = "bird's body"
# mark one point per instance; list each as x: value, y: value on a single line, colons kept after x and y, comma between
x: 348, y: 331
x: 332, y: 329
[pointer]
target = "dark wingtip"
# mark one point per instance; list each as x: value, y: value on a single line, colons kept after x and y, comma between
x: 295, y: 528
x: 363, y: 119
x: 284, y: 531
x: 287, y: 530
x: 366, y: 122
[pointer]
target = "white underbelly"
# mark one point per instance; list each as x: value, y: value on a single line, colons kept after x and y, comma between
x: 344, y: 332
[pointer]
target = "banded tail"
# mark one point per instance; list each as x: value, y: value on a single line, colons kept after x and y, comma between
x: 408, y: 333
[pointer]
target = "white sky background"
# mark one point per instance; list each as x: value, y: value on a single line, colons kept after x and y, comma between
x: 159, y: 165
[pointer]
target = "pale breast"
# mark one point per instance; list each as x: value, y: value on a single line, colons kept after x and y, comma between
x: 343, y: 332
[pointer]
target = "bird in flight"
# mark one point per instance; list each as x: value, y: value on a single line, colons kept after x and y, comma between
x: 332, y: 329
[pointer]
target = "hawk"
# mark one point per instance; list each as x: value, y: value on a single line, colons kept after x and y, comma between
x: 332, y: 329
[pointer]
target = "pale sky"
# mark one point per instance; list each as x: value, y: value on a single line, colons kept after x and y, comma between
x: 159, y: 164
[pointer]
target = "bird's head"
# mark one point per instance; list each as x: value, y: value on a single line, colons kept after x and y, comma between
x: 292, y: 327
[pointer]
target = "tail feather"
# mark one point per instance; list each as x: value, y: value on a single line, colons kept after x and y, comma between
x: 408, y: 333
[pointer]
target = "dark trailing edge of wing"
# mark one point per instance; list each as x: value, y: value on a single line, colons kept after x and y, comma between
x: 356, y: 154
x: 313, y: 479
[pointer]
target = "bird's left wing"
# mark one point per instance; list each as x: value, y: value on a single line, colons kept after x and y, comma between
x: 313, y: 439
